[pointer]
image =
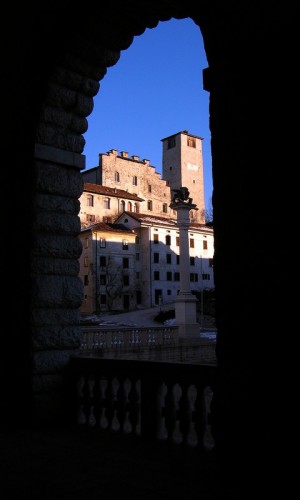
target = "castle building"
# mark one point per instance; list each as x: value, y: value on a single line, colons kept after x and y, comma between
x: 183, y: 166
x: 126, y: 200
x: 128, y: 183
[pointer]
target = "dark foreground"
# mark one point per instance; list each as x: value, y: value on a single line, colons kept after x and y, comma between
x: 81, y: 464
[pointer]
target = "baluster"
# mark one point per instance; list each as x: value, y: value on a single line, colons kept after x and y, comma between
x: 115, y: 424
x: 208, y: 440
x: 184, y: 412
x: 162, y: 433
x: 177, y: 436
x: 170, y: 411
x: 199, y: 415
x: 127, y: 426
x: 121, y: 404
x: 134, y: 405
x: 81, y: 417
x: 91, y: 417
x: 103, y: 422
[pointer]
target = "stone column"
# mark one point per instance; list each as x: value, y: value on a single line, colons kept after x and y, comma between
x: 185, y: 302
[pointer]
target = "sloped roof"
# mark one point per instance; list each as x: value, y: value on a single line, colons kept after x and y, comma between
x: 107, y: 227
x: 109, y: 191
x: 165, y: 221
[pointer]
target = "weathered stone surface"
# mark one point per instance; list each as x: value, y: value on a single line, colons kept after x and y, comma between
x: 76, y: 81
x: 59, y: 138
x: 53, y: 316
x: 54, y: 337
x: 58, y: 223
x: 57, y: 246
x: 51, y: 362
x: 55, y: 179
x: 44, y: 383
x: 48, y: 265
x: 57, y: 203
x: 57, y: 291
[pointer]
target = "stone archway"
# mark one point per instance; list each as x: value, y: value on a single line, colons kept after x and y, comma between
x: 51, y: 72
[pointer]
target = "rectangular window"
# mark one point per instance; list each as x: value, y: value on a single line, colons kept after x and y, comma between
x: 86, y: 243
x: 102, y: 279
x: 204, y: 244
x: 178, y: 259
x: 106, y: 203
x: 169, y: 258
x: 194, y: 277
x: 165, y: 208
x: 171, y: 142
x: 125, y: 263
x: 210, y: 262
x: 150, y: 205
x: 126, y: 280
x: 192, y: 261
x: 206, y: 277
x: 168, y: 240
x: 169, y: 276
x: 192, y: 243
x: 156, y: 275
x: 125, y: 245
x: 137, y: 256
x: 103, y: 300
x: 176, y: 276
x: 156, y: 258
x: 168, y: 292
x: 177, y: 241
x: 90, y: 218
x: 86, y: 280
x: 134, y: 180
x: 149, y: 188
x: 191, y: 142
x: 106, y: 219
x: 102, y: 242
x: 86, y: 261
x: 155, y: 238
x: 102, y: 261
x: 90, y: 200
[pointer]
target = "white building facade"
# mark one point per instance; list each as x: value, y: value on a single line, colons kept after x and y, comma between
x: 124, y: 199
x: 158, y: 257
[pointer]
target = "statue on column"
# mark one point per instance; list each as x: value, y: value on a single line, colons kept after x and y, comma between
x: 181, y: 195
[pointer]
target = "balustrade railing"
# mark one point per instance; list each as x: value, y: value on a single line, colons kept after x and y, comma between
x: 98, y: 338
x: 157, y: 400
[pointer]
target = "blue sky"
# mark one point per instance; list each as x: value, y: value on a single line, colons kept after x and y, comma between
x: 155, y: 90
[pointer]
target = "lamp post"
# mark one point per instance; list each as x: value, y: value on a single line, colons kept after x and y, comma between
x: 185, y: 302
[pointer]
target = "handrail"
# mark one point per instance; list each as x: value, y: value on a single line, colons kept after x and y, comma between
x: 97, y: 338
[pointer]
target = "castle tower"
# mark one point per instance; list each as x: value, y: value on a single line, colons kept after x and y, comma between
x: 182, y: 165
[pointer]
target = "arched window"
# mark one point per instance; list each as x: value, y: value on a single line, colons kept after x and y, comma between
x: 129, y: 206
x: 136, y: 208
x: 117, y: 177
x: 122, y: 206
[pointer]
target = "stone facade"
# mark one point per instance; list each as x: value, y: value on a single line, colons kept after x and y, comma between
x: 182, y: 167
x: 104, y: 204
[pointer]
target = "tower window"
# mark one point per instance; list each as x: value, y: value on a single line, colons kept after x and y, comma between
x: 191, y: 142
x: 171, y: 142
